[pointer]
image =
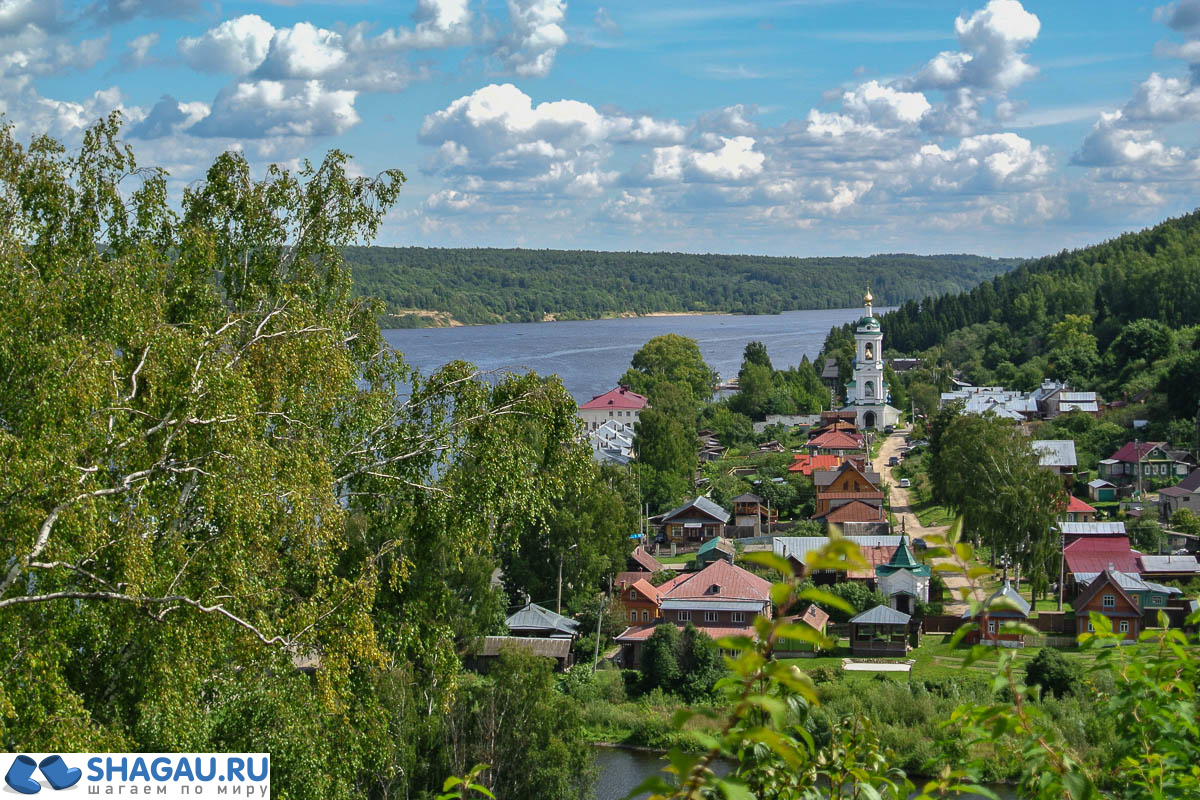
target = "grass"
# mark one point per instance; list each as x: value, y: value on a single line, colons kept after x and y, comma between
x: 935, y: 658
x: 686, y: 558
x: 932, y: 515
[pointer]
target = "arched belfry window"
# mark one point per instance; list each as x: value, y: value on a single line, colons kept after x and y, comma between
x: 870, y: 352
x: 870, y: 387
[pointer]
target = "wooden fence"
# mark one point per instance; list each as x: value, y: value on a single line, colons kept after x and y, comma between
x: 943, y: 623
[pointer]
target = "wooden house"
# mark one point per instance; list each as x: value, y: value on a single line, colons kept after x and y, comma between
x: 640, y: 600
x: 814, y: 617
x: 535, y: 621
x: 848, y: 485
x: 1004, y: 605
x: 480, y: 658
x: 1078, y: 511
x: 838, y: 443
x: 1185, y: 494
x: 697, y: 520
x: 880, y: 631
x: 1104, y: 595
x: 720, y: 600
x: 750, y: 512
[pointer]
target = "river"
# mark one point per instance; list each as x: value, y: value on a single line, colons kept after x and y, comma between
x: 620, y: 771
x: 590, y: 355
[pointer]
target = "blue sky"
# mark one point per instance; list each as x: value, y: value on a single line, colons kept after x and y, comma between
x: 788, y: 127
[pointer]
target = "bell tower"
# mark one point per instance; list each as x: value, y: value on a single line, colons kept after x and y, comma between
x: 867, y: 392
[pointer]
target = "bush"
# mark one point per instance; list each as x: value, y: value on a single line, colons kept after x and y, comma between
x: 1054, y: 672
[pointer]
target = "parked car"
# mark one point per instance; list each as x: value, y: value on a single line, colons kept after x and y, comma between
x: 893, y: 461
x: 905, y: 483
x: 889, y: 429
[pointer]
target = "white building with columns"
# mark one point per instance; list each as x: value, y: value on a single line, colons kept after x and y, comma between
x: 867, y: 391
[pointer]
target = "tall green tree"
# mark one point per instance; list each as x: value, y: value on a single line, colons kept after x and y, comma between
x: 986, y: 469
x: 215, y: 470
x: 670, y: 358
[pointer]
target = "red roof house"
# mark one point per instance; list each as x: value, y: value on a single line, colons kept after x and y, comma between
x: 620, y: 397
x: 854, y: 511
x: 1078, y: 511
x: 1098, y: 554
x: 641, y: 561
x: 837, y: 442
x: 721, y: 600
x: 619, y: 405
x: 806, y: 463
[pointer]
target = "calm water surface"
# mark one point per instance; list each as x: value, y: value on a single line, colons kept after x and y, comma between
x: 589, y: 356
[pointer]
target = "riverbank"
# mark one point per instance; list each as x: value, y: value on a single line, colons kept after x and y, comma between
x: 430, y: 318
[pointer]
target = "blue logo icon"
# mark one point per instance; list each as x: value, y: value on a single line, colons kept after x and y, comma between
x: 54, y: 768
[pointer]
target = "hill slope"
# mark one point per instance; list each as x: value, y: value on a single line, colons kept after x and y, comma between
x: 1152, y: 274
x: 1121, y: 318
x: 485, y: 285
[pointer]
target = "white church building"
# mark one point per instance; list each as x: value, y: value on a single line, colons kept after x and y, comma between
x: 866, y: 391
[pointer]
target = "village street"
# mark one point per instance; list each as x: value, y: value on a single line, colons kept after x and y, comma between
x: 908, y: 522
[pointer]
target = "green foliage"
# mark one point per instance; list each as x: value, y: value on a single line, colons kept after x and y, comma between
x: 1186, y: 521
x: 985, y: 468
x: 670, y: 358
x: 1145, y: 534
x: 660, y: 659
x: 215, y: 471
x: 1054, y: 673
x: 483, y: 285
x: 515, y: 718
x: 1180, y: 384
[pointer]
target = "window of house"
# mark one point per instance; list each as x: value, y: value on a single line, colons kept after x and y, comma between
x: 991, y: 626
x: 738, y: 616
x: 685, y: 616
x: 1109, y: 601
x: 645, y: 615
x: 710, y: 616
x: 1124, y: 626
x: 1090, y: 628
x: 633, y: 616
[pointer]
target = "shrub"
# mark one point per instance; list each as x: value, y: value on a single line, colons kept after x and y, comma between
x: 1053, y: 672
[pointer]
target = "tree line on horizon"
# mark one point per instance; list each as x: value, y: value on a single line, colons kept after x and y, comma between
x: 489, y: 285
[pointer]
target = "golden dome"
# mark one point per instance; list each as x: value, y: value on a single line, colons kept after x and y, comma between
x: 868, y: 297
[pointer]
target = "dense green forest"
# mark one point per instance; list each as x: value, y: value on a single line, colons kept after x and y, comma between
x: 1153, y: 274
x: 1119, y: 318
x: 484, y: 285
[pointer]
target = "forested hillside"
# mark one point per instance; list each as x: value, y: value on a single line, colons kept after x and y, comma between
x: 1121, y: 318
x: 1153, y: 274
x: 483, y: 285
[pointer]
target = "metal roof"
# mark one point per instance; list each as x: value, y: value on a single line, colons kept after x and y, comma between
x: 881, y: 615
x: 700, y: 604
x: 1169, y: 564
x: 1092, y: 528
x: 702, y: 504
x: 534, y: 617
x: 799, y: 546
x: 1100, y: 483
x: 1055, y: 452
x: 1126, y: 580
x: 1007, y: 598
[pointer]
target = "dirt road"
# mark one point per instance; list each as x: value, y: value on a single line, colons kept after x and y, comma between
x: 910, y: 524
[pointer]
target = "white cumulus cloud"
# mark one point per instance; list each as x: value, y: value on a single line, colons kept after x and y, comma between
x: 236, y: 46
